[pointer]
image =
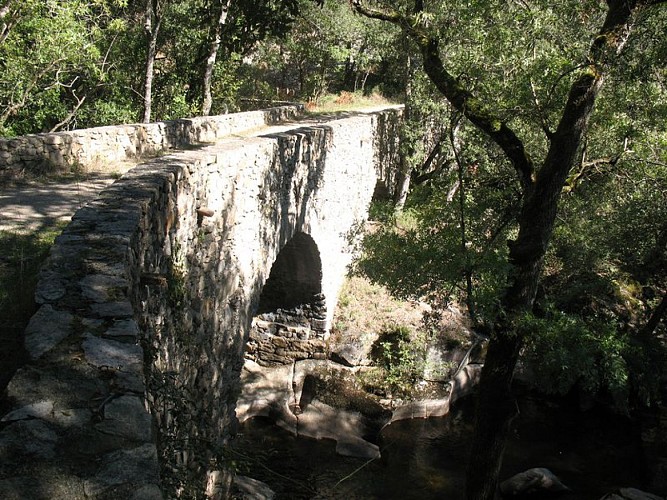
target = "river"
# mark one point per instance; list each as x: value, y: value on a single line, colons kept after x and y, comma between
x: 593, y: 452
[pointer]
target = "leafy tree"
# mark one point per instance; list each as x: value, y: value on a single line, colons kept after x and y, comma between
x: 328, y: 49
x: 152, y: 23
x: 53, y: 60
x: 532, y: 89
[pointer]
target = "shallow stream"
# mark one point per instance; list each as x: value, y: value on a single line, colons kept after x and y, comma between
x: 593, y: 453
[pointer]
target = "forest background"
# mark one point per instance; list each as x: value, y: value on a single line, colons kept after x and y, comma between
x: 509, y: 68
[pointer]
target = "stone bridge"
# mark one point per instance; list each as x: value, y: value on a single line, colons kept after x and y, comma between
x: 148, y: 296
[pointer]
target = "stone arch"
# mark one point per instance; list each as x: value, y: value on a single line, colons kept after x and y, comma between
x: 290, y: 322
x: 295, y: 278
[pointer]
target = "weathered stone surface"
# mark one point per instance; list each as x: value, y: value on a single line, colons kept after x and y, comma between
x: 321, y: 421
x: 121, y: 309
x: 248, y: 488
x: 265, y: 392
x: 103, y: 288
x: 50, y: 288
x: 137, y: 466
x: 631, y: 494
x: 279, y: 393
x: 41, y: 409
x: 261, y: 193
x: 119, y: 143
x: 126, y: 417
x: 537, y: 481
x: 27, y: 438
x: 109, y: 353
x: 123, y: 328
x: 42, y: 488
x: 350, y: 355
x: 46, y: 329
x: 422, y: 409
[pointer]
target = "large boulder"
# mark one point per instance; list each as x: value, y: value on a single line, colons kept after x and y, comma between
x: 631, y: 494
x: 316, y: 399
x: 532, y: 483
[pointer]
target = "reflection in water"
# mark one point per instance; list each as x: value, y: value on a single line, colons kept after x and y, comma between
x: 593, y: 453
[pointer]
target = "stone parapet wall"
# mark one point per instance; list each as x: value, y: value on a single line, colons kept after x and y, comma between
x: 85, y: 148
x: 146, y: 302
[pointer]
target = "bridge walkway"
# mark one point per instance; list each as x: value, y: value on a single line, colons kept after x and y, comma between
x: 47, y: 202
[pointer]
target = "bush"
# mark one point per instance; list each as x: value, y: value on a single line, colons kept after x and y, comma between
x: 400, y: 357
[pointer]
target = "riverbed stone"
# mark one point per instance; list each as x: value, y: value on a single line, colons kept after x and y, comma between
x: 247, y: 488
x: 631, y: 494
x: 536, y: 481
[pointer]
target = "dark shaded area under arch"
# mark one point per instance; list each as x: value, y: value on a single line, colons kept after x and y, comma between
x: 295, y: 278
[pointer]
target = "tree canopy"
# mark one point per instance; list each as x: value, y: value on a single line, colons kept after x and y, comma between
x: 526, y: 76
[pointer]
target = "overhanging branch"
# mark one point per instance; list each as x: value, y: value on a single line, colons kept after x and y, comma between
x: 459, y: 97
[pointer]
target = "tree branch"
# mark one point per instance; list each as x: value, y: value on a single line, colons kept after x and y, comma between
x: 459, y: 97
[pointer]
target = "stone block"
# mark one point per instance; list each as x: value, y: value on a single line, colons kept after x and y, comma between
x: 126, y: 417
x: 46, y: 329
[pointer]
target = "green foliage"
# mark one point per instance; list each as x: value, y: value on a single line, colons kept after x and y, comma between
x: 56, y: 61
x: 563, y: 351
x: 421, y: 255
x: 329, y: 49
x: 400, y: 354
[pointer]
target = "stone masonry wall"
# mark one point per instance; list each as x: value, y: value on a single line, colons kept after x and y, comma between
x: 288, y: 335
x: 52, y: 152
x: 146, y: 302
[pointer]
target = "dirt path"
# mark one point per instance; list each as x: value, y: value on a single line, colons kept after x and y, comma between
x: 41, y: 204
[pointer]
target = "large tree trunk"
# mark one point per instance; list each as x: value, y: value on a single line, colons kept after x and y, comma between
x: 152, y: 23
x: 212, y: 57
x: 496, y: 405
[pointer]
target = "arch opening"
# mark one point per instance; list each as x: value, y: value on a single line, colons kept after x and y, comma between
x: 290, y: 322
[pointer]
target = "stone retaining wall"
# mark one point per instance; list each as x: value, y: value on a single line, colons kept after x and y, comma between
x: 52, y: 152
x: 146, y: 302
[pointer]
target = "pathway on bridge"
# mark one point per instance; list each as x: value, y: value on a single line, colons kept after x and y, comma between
x: 41, y: 204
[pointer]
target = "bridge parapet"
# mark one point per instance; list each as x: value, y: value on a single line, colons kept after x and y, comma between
x: 88, y: 148
x: 146, y: 303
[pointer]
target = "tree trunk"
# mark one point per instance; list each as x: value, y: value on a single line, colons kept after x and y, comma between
x: 152, y: 28
x: 536, y: 222
x: 541, y: 192
x: 405, y: 172
x: 212, y: 57
x: 655, y: 319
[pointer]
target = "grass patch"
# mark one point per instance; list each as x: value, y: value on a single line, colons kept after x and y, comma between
x: 22, y: 255
x: 345, y: 101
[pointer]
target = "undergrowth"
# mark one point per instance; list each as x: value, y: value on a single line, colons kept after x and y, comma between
x: 21, y: 257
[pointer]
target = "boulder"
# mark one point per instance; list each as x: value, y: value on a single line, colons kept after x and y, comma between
x: 251, y: 489
x: 631, y: 494
x: 536, y: 483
